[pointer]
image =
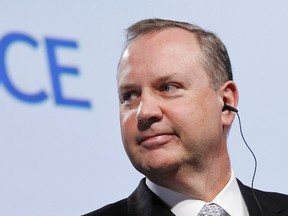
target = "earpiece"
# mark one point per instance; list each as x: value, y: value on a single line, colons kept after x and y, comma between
x: 233, y: 109
x: 230, y: 108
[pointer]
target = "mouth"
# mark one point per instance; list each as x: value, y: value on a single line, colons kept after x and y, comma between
x: 155, y: 140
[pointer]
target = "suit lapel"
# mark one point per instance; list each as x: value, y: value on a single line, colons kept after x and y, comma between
x: 268, y: 205
x: 143, y: 202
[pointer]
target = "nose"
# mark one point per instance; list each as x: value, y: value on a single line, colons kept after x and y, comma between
x: 148, y: 112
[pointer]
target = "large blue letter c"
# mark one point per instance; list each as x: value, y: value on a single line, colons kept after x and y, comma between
x: 5, y: 43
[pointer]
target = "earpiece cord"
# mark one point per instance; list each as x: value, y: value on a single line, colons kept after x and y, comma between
x: 255, y: 161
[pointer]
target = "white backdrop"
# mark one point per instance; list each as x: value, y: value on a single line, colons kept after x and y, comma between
x: 60, y: 159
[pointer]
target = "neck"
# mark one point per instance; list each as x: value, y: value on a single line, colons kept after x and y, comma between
x: 203, y: 184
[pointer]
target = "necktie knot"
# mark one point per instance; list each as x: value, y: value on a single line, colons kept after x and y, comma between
x: 212, y: 210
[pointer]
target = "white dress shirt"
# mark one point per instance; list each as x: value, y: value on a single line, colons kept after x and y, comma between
x: 229, y: 198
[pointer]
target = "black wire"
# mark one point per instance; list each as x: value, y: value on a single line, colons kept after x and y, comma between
x: 255, y: 162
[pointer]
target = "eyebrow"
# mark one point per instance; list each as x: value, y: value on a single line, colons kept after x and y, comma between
x: 128, y: 86
x: 167, y: 77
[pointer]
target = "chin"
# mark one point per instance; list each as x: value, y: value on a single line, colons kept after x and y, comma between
x: 157, y: 167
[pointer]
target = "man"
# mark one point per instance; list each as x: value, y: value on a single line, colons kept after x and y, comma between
x: 177, y: 102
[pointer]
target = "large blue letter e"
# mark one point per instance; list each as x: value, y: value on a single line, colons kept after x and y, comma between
x: 57, y: 70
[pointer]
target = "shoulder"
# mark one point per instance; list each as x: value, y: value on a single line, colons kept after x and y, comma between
x: 268, y: 201
x: 265, y: 195
x: 272, y: 197
x: 118, y: 208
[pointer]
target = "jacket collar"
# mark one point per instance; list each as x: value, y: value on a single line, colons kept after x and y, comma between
x: 267, y: 202
x: 145, y: 203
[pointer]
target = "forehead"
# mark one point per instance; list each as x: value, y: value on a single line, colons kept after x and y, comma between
x: 163, y: 40
x: 165, y: 51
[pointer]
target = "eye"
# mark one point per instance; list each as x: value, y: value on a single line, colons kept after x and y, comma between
x: 168, y: 87
x: 128, y: 96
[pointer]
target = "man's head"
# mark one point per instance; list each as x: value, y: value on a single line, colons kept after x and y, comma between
x: 214, y: 57
x: 171, y: 99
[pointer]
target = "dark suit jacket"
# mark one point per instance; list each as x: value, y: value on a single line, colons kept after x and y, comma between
x: 143, y: 202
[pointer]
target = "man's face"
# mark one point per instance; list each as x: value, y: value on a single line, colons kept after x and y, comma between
x: 170, y: 116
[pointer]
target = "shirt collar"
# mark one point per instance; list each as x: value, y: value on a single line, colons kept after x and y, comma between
x: 229, y: 198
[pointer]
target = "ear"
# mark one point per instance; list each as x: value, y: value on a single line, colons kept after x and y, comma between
x: 230, y: 96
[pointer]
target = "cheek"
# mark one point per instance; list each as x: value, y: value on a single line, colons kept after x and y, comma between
x: 182, y: 115
x: 126, y: 116
x: 192, y: 121
x: 128, y: 124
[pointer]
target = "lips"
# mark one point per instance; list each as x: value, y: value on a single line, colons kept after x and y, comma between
x: 154, y: 140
